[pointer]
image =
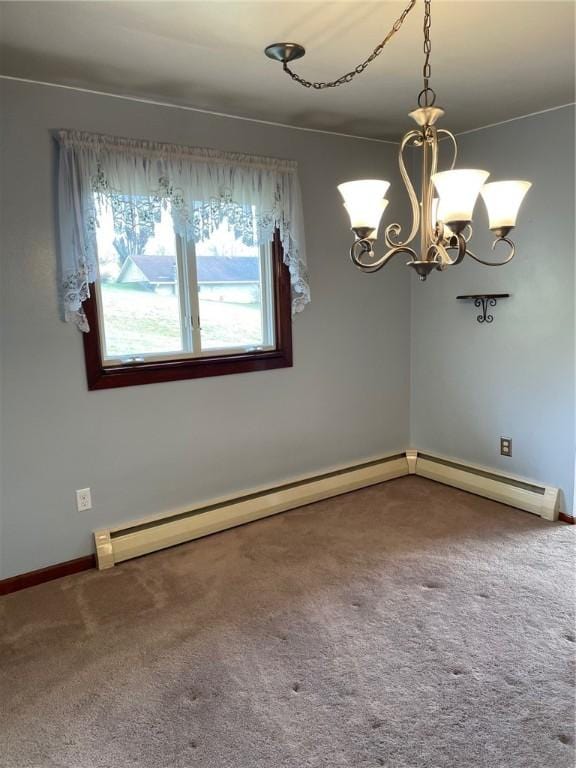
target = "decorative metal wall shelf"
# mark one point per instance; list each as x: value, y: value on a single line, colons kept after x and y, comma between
x: 485, y: 300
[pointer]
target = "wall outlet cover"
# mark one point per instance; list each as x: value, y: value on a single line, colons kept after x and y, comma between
x: 83, y: 500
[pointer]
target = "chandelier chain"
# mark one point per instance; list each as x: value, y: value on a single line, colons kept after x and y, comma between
x: 427, y: 96
x: 349, y: 76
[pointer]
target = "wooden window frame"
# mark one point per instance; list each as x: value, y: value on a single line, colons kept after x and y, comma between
x: 100, y: 376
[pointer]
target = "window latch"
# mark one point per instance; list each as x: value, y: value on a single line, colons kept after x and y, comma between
x: 132, y: 360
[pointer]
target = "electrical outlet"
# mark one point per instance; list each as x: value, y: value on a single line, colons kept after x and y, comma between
x: 506, y: 446
x: 83, y: 500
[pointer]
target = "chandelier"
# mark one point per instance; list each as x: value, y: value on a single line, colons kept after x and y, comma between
x: 443, y: 215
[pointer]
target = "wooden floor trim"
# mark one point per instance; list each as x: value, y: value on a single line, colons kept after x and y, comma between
x: 56, y: 571
x: 566, y: 518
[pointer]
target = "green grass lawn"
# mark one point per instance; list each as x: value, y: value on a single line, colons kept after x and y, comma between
x: 138, y: 321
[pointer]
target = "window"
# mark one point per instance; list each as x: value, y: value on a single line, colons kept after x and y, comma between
x: 163, y: 308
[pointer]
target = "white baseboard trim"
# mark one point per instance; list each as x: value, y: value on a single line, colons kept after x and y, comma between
x: 140, y: 537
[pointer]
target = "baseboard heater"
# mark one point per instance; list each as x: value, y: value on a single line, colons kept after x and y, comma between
x: 516, y: 492
x: 114, y: 545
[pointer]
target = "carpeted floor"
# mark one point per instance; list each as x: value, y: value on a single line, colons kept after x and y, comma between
x: 407, y: 625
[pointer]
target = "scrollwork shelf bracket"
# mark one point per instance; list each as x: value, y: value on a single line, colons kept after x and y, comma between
x: 484, y: 300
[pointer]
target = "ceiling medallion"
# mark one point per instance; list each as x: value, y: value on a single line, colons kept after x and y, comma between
x: 443, y: 215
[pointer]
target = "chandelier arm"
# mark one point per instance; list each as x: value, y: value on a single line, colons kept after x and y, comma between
x: 365, y: 246
x: 461, y: 244
x: 456, y: 242
x: 357, y: 249
x: 510, y: 256
x: 393, y: 230
x: 445, y: 260
x: 452, y: 138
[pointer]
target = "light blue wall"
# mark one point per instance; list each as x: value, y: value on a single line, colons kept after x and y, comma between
x: 473, y: 383
x: 143, y: 450
x: 147, y: 449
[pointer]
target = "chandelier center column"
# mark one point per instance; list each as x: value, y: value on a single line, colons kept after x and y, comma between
x: 426, y: 204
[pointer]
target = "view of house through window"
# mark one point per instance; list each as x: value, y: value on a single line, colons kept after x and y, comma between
x: 162, y: 298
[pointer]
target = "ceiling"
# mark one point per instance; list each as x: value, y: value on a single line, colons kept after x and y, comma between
x: 491, y: 60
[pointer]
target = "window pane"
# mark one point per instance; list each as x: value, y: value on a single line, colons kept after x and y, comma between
x: 233, y: 289
x: 139, y: 280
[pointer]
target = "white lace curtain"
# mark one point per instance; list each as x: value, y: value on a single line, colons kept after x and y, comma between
x: 202, y: 188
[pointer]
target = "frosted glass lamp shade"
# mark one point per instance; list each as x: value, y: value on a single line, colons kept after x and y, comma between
x: 503, y: 200
x: 363, y: 215
x: 437, y: 215
x: 435, y: 202
x: 458, y: 192
x: 364, y: 201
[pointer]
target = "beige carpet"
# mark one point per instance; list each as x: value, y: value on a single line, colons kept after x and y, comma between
x: 408, y: 625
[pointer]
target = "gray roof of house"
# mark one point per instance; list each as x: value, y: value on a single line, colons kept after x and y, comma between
x: 211, y: 269
x: 216, y: 269
x: 157, y: 269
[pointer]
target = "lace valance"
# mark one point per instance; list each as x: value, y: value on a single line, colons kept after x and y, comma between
x: 202, y: 188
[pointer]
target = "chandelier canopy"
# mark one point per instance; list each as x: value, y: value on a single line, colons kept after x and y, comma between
x: 443, y: 214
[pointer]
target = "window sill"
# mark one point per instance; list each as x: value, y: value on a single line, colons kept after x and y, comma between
x: 108, y: 377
